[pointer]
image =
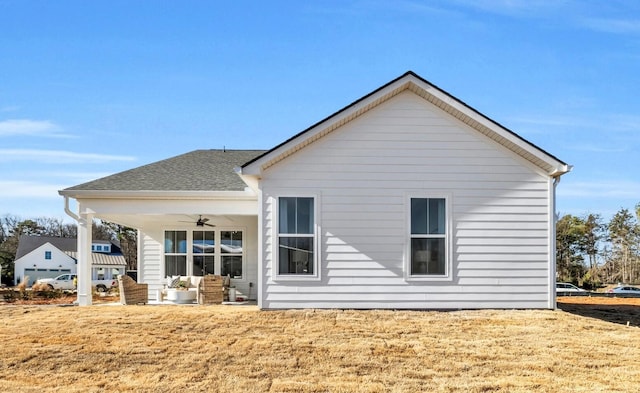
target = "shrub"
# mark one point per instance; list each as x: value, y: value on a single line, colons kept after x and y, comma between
x: 22, y: 286
x: 50, y: 293
x: 9, y: 296
x: 40, y: 287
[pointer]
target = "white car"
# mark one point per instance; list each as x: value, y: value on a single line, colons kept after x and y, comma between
x: 63, y: 281
x: 625, y: 289
x: 566, y: 287
x: 66, y: 282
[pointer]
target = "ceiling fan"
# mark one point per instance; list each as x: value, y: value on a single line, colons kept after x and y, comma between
x: 201, y: 222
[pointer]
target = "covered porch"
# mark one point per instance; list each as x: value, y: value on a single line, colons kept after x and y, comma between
x: 189, y: 235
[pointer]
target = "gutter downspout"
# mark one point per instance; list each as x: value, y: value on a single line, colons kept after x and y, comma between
x: 68, y: 211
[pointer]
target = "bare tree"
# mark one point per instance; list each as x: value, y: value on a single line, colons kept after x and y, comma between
x: 128, y: 239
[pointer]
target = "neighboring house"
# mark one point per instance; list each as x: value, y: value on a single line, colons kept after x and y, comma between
x: 48, y: 257
x: 406, y: 198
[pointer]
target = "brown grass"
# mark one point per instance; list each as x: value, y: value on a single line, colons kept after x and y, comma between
x: 241, y: 349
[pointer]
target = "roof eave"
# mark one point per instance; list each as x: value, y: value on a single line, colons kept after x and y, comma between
x: 561, y: 170
x: 152, y: 194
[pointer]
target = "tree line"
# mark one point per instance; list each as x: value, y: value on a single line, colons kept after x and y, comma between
x: 591, y: 252
x: 12, y: 227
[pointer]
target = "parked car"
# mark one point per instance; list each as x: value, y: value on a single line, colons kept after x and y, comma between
x: 625, y: 289
x: 566, y: 287
x: 67, y: 282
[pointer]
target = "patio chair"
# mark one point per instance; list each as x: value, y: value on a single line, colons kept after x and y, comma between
x: 132, y: 292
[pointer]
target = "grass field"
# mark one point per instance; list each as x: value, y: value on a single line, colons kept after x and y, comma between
x: 580, y: 348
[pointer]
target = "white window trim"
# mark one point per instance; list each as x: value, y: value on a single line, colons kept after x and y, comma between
x: 165, y: 254
x: 275, y: 201
x: 448, y: 240
x: 218, y: 252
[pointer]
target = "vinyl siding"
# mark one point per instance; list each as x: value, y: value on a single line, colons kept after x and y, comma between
x: 150, y: 261
x: 363, y: 174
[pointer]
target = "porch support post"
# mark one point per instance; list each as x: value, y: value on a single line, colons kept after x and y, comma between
x: 84, y: 260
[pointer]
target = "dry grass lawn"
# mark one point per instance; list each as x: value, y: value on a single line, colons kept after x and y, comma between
x: 241, y: 349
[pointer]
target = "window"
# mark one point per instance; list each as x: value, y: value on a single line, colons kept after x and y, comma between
x: 98, y: 248
x: 201, y: 252
x: 428, y: 238
x: 175, y: 253
x: 204, y: 246
x: 115, y: 272
x: 47, y: 255
x: 296, y: 236
x: 231, y: 249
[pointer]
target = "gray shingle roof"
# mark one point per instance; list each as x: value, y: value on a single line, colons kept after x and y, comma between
x: 28, y: 243
x: 199, y: 170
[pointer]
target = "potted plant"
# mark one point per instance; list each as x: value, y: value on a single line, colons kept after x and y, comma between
x: 182, y: 285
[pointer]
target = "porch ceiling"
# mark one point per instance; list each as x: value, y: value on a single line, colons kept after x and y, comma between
x: 178, y: 221
x: 141, y: 212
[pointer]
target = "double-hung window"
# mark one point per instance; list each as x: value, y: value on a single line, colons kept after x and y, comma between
x: 204, y: 251
x: 296, y: 236
x: 428, y: 238
x: 231, y: 250
x: 175, y: 253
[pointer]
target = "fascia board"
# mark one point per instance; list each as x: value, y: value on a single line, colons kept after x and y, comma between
x: 112, y: 194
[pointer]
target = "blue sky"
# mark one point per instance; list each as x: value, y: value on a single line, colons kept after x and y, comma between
x: 91, y: 88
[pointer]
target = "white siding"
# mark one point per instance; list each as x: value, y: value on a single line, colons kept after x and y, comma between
x: 150, y: 260
x: 364, y: 172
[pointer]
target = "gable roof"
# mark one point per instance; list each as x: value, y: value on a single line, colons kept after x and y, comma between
x: 27, y: 243
x: 199, y: 170
x: 433, y: 94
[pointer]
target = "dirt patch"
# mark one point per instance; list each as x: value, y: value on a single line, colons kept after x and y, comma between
x: 612, y: 301
x: 624, y: 311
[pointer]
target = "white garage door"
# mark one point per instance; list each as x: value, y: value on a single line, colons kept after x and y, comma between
x: 36, y: 274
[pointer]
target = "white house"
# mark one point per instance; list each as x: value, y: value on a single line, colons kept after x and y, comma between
x: 48, y: 257
x: 406, y: 198
x: 43, y: 257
